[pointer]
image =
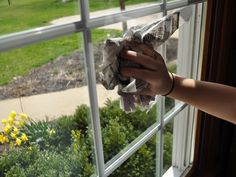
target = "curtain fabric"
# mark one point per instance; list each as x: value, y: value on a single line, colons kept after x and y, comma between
x: 215, y: 150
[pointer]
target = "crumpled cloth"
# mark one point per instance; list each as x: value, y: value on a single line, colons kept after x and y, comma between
x: 153, y: 35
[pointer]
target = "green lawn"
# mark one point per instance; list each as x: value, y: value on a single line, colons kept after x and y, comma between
x: 27, y: 14
x: 21, y: 61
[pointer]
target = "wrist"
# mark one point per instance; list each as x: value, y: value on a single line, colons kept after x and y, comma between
x: 172, y: 86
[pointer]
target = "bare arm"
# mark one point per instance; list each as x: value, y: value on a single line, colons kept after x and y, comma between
x: 216, y: 99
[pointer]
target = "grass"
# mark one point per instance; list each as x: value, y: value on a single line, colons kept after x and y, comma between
x: 27, y: 14
x: 99, y: 4
x: 21, y: 61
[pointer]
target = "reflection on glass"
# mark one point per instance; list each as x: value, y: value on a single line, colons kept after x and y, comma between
x: 27, y: 14
x: 46, y: 82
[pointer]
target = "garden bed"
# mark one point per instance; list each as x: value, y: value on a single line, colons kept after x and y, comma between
x: 62, y: 73
x: 64, y: 147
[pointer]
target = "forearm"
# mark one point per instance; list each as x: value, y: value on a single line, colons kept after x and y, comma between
x: 216, y: 99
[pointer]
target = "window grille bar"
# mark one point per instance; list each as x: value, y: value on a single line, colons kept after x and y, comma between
x: 160, y: 135
x: 16, y: 40
x: 160, y: 139
x: 91, y: 75
x: 121, y: 157
x: 170, y: 117
x: 124, y: 15
x: 20, y: 39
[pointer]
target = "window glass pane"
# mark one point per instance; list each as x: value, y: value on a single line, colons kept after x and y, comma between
x: 171, y: 62
x: 119, y: 128
x: 140, y: 164
x: 168, y: 142
x: 27, y: 14
x: 46, y: 81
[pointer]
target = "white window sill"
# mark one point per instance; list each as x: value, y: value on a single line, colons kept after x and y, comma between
x: 175, y: 172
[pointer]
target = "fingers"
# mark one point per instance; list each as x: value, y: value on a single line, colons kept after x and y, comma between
x: 146, y: 92
x: 145, y: 60
x: 142, y: 74
x: 147, y: 50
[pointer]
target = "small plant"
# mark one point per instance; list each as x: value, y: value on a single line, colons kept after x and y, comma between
x: 12, y: 127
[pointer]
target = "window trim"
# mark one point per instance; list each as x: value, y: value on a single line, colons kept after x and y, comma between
x: 184, y: 123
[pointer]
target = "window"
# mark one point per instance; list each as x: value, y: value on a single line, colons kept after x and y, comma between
x: 172, y: 124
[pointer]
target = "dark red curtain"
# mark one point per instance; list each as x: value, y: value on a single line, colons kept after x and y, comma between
x: 215, y: 151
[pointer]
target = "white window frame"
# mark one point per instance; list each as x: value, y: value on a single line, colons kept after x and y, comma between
x: 189, y: 58
x: 85, y: 25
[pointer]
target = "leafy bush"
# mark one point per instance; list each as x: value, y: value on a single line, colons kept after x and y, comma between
x: 64, y: 147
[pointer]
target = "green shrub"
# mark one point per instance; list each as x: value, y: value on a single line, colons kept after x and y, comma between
x: 15, y: 171
x: 62, y: 136
x: 39, y: 133
x: 64, y: 147
x: 15, y: 158
x: 49, y: 164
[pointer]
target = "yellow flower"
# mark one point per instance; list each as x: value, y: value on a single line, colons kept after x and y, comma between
x: 21, y: 123
x: 4, y: 121
x: 18, y: 141
x: 17, y: 123
x: 16, y: 131
x: 72, y: 132
x: 24, y: 137
x: 52, y: 132
x: 3, y: 139
x: 7, y: 129
x: 75, y: 134
x: 13, y: 135
x: 12, y: 114
x: 6, y: 139
x: 23, y: 116
x: 11, y: 120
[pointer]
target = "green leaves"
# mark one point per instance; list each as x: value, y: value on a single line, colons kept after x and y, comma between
x: 64, y: 147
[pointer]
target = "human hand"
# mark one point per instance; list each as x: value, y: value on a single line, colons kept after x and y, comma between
x: 154, y: 70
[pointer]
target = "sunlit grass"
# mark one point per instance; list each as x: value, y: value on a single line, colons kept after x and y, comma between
x: 27, y: 14
x: 21, y: 61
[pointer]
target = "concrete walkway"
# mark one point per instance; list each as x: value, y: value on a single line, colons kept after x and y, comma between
x: 52, y: 105
x: 105, y: 12
x: 118, y: 26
